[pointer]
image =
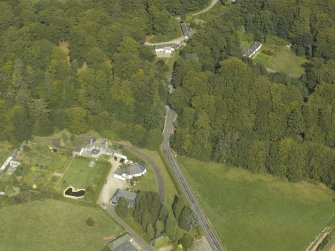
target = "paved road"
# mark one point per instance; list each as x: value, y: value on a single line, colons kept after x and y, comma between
x: 146, y: 158
x: 207, y: 9
x: 138, y: 238
x: 209, y: 232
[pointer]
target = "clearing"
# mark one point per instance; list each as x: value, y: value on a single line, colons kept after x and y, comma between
x: 276, y: 55
x: 257, y: 211
x: 54, y: 225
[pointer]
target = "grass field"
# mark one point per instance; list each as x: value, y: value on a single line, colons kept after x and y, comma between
x: 259, y: 212
x: 80, y: 175
x: 54, y: 225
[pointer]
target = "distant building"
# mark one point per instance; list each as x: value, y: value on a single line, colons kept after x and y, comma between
x: 123, y: 243
x: 252, y: 51
x: 186, y: 29
x: 129, y: 196
x: 166, y: 48
x: 130, y: 171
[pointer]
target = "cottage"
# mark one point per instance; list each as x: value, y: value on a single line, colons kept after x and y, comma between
x: 252, y: 51
x: 123, y: 243
x: 130, y: 171
x: 129, y: 196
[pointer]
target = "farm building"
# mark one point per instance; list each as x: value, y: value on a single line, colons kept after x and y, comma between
x: 186, y: 29
x: 129, y: 196
x: 123, y: 243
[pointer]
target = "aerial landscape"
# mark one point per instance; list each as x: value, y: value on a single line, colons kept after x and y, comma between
x: 199, y: 125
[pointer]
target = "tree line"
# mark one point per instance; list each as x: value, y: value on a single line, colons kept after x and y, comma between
x: 178, y: 221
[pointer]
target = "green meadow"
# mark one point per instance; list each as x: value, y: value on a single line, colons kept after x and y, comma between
x: 55, y: 225
x: 259, y: 212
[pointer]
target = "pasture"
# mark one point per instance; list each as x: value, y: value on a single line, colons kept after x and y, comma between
x: 55, y: 225
x: 257, y: 211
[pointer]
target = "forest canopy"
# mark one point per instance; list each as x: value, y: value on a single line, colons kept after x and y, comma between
x: 81, y: 65
x: 231, y: 110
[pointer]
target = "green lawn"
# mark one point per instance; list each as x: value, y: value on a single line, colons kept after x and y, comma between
x: 80, y: 175
x: 5, y: 150
x: 54, y: 225
x: 259, y: 212
x: 283, y: 59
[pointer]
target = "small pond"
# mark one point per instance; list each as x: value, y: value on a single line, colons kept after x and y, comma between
x: 71, y: 192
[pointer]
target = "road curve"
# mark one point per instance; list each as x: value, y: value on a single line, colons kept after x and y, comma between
x: 209, y: 232
x: 207, y: 9
x: 146, y: 158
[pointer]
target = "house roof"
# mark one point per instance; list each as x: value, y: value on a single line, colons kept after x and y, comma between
x: 131, y: 169
x: 122, y: 243
x: 169, y: 45
x: 129, y: 196
x: 252, y: 49
x: 185, y: 28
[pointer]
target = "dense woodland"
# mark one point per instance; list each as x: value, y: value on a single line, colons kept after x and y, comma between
x: 231, y: 110
x: 178, y: 222
x: 82, y: 65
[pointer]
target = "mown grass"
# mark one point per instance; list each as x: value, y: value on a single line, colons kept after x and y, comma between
x: 259, y: 212
x: 80, y: 175
x: 54, y: 225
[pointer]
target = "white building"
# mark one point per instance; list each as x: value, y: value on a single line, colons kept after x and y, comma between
x: 98, y: 147
x: 167, y: 49
x: 130, y: 171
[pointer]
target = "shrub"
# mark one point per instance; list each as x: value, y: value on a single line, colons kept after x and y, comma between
x: 90, y: 222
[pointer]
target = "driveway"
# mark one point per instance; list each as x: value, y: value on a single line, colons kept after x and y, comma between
x: 111, y: 185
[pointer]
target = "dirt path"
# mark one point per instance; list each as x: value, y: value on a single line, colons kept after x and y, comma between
x: 332, y: 248
x: 207, y: 9
x: 178, y: 40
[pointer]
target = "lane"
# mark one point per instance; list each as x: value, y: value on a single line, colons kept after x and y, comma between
x: 209, y: 232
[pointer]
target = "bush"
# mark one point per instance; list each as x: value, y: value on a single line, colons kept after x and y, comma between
x: 90, y: 222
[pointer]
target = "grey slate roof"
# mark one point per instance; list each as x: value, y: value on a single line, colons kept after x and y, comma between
x: 185, y: 28
x: 122, y: 243
x: 131, y: 169
x: 252, y: 49
x: 129, y: 196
